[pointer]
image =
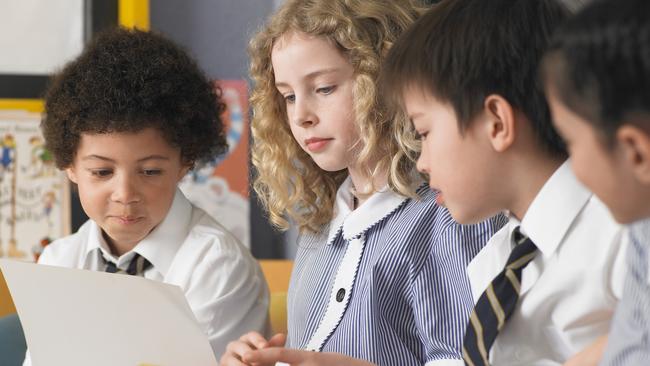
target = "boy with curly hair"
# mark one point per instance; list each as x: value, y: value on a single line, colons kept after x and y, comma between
x: 126, y: 121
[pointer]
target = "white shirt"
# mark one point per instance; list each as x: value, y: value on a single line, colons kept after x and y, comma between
x: 569, y: 291
x: 222, y: 282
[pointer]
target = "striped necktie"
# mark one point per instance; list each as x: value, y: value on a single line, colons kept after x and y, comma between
x: 136, y: 267
x: 497, y: 303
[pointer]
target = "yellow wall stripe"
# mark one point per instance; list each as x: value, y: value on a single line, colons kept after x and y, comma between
x: 32, y: 105
x: 134, y: 13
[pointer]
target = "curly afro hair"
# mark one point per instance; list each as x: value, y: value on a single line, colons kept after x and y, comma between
x: 129, y: 80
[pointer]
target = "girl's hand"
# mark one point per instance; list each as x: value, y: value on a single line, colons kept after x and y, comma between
x: 245, y: 344
x: 270, y: 355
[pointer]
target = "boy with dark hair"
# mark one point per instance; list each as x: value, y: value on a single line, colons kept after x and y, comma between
x: 546, y: 285
x: 126, y: 120
x: 597, y: 75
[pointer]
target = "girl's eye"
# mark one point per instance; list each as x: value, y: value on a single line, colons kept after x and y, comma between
x: 421, y: 136
x: 101, y: 173
x: 151, y: 172
x: 326, y: 90
x: 290, y: 98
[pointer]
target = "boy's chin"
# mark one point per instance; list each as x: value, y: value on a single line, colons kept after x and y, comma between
x: 463, y: 217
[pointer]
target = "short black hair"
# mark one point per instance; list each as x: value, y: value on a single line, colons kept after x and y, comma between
x: 129, y: 80
x: 598, y: 64
x: 461, y: 51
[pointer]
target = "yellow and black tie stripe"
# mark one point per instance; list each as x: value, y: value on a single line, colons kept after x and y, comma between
x: 496, y: 304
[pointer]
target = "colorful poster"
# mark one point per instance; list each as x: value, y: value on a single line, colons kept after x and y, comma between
x: 221, y: 187
x: 34, y: 194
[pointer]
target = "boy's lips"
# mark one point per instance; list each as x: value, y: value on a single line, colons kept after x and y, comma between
x: 440, y: 200
x: 127, y: 220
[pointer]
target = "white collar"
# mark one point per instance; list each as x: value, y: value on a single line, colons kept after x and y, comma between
x: 547, y: 221
x: 355, y: 222
x: 554, y: 209
x: 162, y: 243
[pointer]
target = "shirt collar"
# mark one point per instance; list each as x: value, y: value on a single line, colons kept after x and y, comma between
x: 353, y: 223
x: 162, y: 243
x: 554, y: 210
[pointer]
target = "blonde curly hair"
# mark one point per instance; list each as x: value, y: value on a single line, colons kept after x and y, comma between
x: 289, y: 183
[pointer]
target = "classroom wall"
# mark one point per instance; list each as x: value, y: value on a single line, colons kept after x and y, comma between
x: 216, y: 33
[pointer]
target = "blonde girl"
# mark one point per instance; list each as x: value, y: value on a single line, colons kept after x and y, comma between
x: 380, y: 270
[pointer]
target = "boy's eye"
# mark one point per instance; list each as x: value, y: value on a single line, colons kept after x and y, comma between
x: 326, y: 90
x: 101, y: 173
x: 151, y: 172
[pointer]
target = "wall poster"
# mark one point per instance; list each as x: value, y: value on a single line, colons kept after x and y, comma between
x: 221, y: 187
x: 34, y: 194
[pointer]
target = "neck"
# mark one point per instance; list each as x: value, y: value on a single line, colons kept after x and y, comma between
x: 527, y: 185
x: 364, y: 185
x: 117, y: 248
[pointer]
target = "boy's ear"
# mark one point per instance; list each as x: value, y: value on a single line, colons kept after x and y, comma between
x: 500, y: 118
x: 71, y: 174
x: 634, y: 143
x: 184, y: 169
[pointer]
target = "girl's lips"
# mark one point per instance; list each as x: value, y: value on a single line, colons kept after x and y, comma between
x: 317, y: 144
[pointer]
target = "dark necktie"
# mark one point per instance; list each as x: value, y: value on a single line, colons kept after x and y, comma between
x: 497, y: 303
x: 136, y: 267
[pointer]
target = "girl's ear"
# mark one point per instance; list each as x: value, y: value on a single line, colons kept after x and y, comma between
x: 500, y: 122
x: 634, y: 144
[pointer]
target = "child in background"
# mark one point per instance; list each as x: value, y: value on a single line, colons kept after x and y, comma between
x: 597, y: 77
x: 380, y: 269
x: 126, y: 120
x: 546, y: 285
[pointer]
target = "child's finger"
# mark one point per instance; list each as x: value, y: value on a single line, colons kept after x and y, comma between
x: 274, y: 354
x: 255, y: 339
x: 277, y: 340
x: 231, y: 361
x: 232, y: 356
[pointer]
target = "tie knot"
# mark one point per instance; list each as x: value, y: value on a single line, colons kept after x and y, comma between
x: 523, y: 252
x: 137, y: 266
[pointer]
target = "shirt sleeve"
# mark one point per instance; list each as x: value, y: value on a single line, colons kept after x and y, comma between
x: 228, y: 295
x: 442, y: 297
x: 618, y: 265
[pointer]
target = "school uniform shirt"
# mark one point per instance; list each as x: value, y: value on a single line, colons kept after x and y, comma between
x: 222, y: 283
x: 570, y: 289
x: 629, y: 340
x: 385, y: 282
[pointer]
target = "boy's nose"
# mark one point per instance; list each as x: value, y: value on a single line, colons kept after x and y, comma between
x: 126, y: 191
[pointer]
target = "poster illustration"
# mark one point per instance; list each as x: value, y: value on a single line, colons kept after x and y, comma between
x: 34, y: 194
x: 221, y: 187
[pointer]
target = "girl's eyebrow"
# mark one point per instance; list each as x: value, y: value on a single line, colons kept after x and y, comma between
x: 312, y: 75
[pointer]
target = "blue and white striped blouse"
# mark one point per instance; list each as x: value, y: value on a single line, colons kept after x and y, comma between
x: 386, y: 282
x: 629, y: 337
